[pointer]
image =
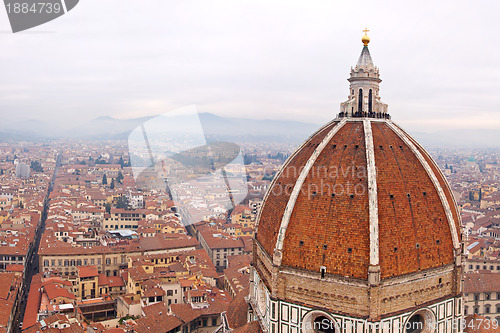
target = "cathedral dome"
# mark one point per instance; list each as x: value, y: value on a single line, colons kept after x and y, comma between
x: 359, y: 227
x: 360, y: 192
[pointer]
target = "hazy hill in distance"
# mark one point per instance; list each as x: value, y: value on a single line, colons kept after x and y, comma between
x: 215, y: 128
x: 27, y: 129
x: 105, y: 128
x: 232, y: 129
x: 463, y: 138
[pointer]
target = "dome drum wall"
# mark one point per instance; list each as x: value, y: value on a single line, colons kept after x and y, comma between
x: 355, y: 297
x: 292, y: 315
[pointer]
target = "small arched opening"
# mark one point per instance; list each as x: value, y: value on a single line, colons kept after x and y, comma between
x: 360, y: 100
x: 370, y: 101
x: 323, y: 324
x: 319, y: 322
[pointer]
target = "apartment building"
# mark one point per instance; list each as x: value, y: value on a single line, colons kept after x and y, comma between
x: 482, y: 295
x: 109, y: 260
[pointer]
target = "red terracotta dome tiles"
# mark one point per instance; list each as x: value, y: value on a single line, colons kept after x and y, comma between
x: 281, y: 188
x: 442, y: 181
x: 413, y: 229
x: 332, y: 231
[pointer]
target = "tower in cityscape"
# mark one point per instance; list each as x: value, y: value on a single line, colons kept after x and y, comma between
x: 359, y: 230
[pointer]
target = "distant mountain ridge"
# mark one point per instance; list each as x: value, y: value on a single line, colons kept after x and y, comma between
x: 218, y: 128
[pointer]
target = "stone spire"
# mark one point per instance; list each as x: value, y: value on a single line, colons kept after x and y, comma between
x: 365, y: 59
x: 363, y: 99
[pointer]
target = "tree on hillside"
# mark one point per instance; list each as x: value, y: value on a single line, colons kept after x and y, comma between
x: 112, y: 186
x: 104, y: 180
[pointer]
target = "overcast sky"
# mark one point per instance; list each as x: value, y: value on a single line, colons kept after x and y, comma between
x: 439, y: 60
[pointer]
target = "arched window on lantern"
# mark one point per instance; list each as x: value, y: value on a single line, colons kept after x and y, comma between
x: 370, y: 101
x: 360, y: 100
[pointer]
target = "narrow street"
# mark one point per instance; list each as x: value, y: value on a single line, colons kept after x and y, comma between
x: 32, y: 261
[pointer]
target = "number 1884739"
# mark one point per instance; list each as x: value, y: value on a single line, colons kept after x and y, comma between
x: 35, y: 8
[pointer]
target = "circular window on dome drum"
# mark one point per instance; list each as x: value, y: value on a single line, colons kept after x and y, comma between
x: 421, y: 321
x: 323, y: 325
x: 319, y: 322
